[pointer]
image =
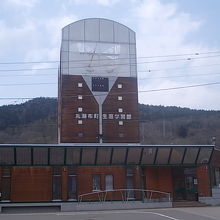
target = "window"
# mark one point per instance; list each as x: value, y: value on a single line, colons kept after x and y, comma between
x: 119, y: 86
x: 109, y: 182
x: 80, y: 122
x: 80, y: 109
x: 6, y: 183
x: 119, y: 98
x: 56, y: 183
x: 130, y: 183
x: 120, y: 110
x: 80, y: 134
x: 71, y: 184
x: 217, y: 176
x: 121, y: 135
x: 80, y: 85
x: 129, y: 172
x: 80, y: 97
x: 100, y: 84
x: 120, y: 122
x: 96, y: 182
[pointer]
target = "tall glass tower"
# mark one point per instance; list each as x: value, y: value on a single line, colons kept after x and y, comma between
x: 98, y: 100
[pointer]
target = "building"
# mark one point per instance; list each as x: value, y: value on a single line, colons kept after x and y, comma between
x: 99, y: 150
x: 98, y: 83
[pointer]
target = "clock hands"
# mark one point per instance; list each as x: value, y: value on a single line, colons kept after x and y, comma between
x: 92, y: 57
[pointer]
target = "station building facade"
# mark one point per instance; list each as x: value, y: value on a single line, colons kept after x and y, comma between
x: 98, y: 125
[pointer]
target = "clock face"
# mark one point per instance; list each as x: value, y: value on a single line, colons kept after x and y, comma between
x: 98, y: 58
x: 102, y: 57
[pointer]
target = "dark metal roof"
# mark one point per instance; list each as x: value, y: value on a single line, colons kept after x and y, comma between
x: 104, y: 155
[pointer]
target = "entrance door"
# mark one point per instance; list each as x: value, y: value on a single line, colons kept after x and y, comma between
x: 179, y: 189
x: 185, y: 184
x: 191, y: 188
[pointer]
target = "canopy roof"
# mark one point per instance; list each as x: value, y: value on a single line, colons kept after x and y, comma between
x: 104, y: 155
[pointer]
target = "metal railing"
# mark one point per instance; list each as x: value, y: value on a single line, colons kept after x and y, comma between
x: 147, y: 195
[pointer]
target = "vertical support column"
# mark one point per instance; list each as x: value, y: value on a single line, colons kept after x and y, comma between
x: 204, y: 187
x: 100, y: 123
x: 64, y: 184
x: 138, y: 181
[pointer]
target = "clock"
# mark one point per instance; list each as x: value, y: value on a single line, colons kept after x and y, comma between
x: 99, y: 58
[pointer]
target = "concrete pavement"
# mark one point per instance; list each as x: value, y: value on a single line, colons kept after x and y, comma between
x: 200, y: 213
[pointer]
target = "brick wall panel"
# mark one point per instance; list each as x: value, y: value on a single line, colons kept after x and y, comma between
x: 203, y: 181
x: 31, y: 184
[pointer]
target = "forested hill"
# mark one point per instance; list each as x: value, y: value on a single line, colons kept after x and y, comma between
x: 35, y: 121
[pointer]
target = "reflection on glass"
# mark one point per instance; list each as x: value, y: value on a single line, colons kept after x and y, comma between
x: 56, y: 190
x: 119, y: 156
x: 134, y: 155
x: 72, y: 194
x: 72, y: 187
x: 148, y: 156
x: 88, y: 155
x: 72, y: 156
x: 162, y: 155
x: 130, y: 183
x: 204, y: 155
x: 6, y: 155
x: 6, y: 184
x: 96, y: 182
x: 104, y: 155
x: 191, y: 154
x: 56, y: 156
x: 217, y: 176
x: 177, y: 155
x: 40, y: 156
x: 97, y: 58
x: 109, y: 182
x: 23, y: 155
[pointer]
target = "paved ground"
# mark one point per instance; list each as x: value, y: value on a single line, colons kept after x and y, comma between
x: 201, y: 213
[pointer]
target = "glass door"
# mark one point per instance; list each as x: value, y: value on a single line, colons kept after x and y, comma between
x: 191, y: 188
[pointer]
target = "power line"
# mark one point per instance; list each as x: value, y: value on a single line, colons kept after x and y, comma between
x: 157, y: 77
x: 178, y: 68
x: 109, y: 65
x: 179, y: 76
x: 122, y: 93
x: 151, y: 90
x: 37, y: 69
x: 24, y: 98
x: 141, y: 57
x: 23, y: 75
x: 144, y: 71
x: 27, y: 84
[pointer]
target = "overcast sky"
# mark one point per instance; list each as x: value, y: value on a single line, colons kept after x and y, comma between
x: 30, y: 30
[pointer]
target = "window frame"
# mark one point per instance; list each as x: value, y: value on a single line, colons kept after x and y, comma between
x: 79, y: 97
x: 120, y: 98
x: 120, y: 123
x: 80, y: 122
x: 94, y: 186
x: 80, y: 85
x: 112, y: 182
x: 120, y: 86
x: 120, y: 110
x: 80, y: 109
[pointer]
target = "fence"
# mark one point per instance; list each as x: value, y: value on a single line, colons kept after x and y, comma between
x: 127, y: 195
